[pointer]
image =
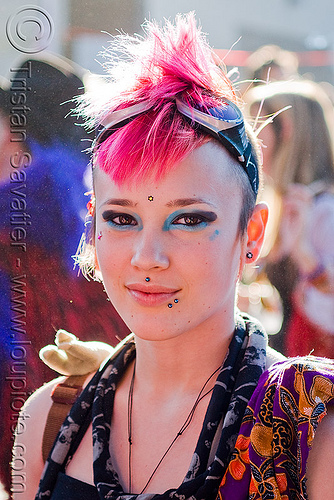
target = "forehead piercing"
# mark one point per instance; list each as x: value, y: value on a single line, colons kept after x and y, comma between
x: 99, y: 235
x: 249, y: 255
x: 170, y: 305
x: 147, y: 279
x: 150, y: 198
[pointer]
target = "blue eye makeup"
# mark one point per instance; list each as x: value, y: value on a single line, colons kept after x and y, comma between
x: 190, y: 221
x: 121, y: 221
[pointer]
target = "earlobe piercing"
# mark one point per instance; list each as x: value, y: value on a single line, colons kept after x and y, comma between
x: 249, y: 255
x: 99, y: 236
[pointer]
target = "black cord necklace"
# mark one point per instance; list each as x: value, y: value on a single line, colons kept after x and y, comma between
x: 181, y: 431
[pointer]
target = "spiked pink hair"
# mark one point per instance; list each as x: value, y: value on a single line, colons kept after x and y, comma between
x: 168, y: 61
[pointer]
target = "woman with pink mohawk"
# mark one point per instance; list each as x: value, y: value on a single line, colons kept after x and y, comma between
x: 184, y: 407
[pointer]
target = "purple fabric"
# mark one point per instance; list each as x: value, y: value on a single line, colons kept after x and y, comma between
x: 269, y: 459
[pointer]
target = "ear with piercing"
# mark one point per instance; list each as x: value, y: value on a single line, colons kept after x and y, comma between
x: 249, y: 255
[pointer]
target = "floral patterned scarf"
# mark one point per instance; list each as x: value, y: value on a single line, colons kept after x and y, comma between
x: 235, y: 384
x: 270, y: 456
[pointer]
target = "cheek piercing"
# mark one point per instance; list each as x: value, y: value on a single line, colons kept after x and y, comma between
x: 175, y: 302
x: 147, y: 279
x: 249, y: 255
x: 99, y: 235
x: 150, y: 198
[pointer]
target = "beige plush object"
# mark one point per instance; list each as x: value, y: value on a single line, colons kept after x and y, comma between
x: 70, y: 356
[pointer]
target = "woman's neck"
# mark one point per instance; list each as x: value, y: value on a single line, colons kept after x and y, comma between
x: 182, y: 362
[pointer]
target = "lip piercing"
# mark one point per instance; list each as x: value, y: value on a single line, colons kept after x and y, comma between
x: 249, y: 255
x: 147, y: 279
x: 99, y: 235
x: 170, y: 305
x: 150, y: 198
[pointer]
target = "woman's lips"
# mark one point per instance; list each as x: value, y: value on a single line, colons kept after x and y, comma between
x: 151, y: 295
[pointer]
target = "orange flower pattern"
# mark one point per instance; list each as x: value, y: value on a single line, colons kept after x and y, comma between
x: 270, y: 455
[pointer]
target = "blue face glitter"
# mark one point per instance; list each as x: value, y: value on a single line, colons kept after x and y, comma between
x: 214, y: 235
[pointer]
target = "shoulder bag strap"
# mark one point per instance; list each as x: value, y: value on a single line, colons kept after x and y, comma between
x: 63, y: 397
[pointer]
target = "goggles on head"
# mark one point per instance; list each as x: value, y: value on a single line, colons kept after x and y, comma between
x: 225, y: 123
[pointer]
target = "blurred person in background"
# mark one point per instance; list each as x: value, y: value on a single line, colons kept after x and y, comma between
x: 299, y: 184
x: 272, y: 63
x: 42, y: 209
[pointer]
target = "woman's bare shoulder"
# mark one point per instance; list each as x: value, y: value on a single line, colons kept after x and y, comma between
x: 27, y: 447
x: 28, y: 443
x: 42, y: 395
x: 320, y: 480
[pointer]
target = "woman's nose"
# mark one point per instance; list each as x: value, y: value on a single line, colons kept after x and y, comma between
x: 149, y: 252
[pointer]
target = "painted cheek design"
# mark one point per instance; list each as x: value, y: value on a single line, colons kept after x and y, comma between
x: 214, y: 235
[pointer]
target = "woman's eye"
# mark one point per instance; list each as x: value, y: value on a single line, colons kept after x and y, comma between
x: 119, y: 219
x: 124, y: 220
x: 189, y: 220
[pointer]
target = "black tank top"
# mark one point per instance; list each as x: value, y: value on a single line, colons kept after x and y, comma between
x: 71, y: 488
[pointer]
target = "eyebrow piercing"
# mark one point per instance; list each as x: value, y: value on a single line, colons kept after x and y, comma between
x: 249, y: 255
x: 150, y: 198
x: 147, y: 279
x: 99, y: 235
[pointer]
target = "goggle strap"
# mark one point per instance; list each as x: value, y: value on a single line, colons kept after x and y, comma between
x: 205, y: 119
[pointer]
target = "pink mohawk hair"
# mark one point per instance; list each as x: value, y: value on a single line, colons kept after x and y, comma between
x: 165, y: 63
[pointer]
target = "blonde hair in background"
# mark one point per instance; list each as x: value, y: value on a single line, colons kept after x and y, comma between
x: 303, y: 149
